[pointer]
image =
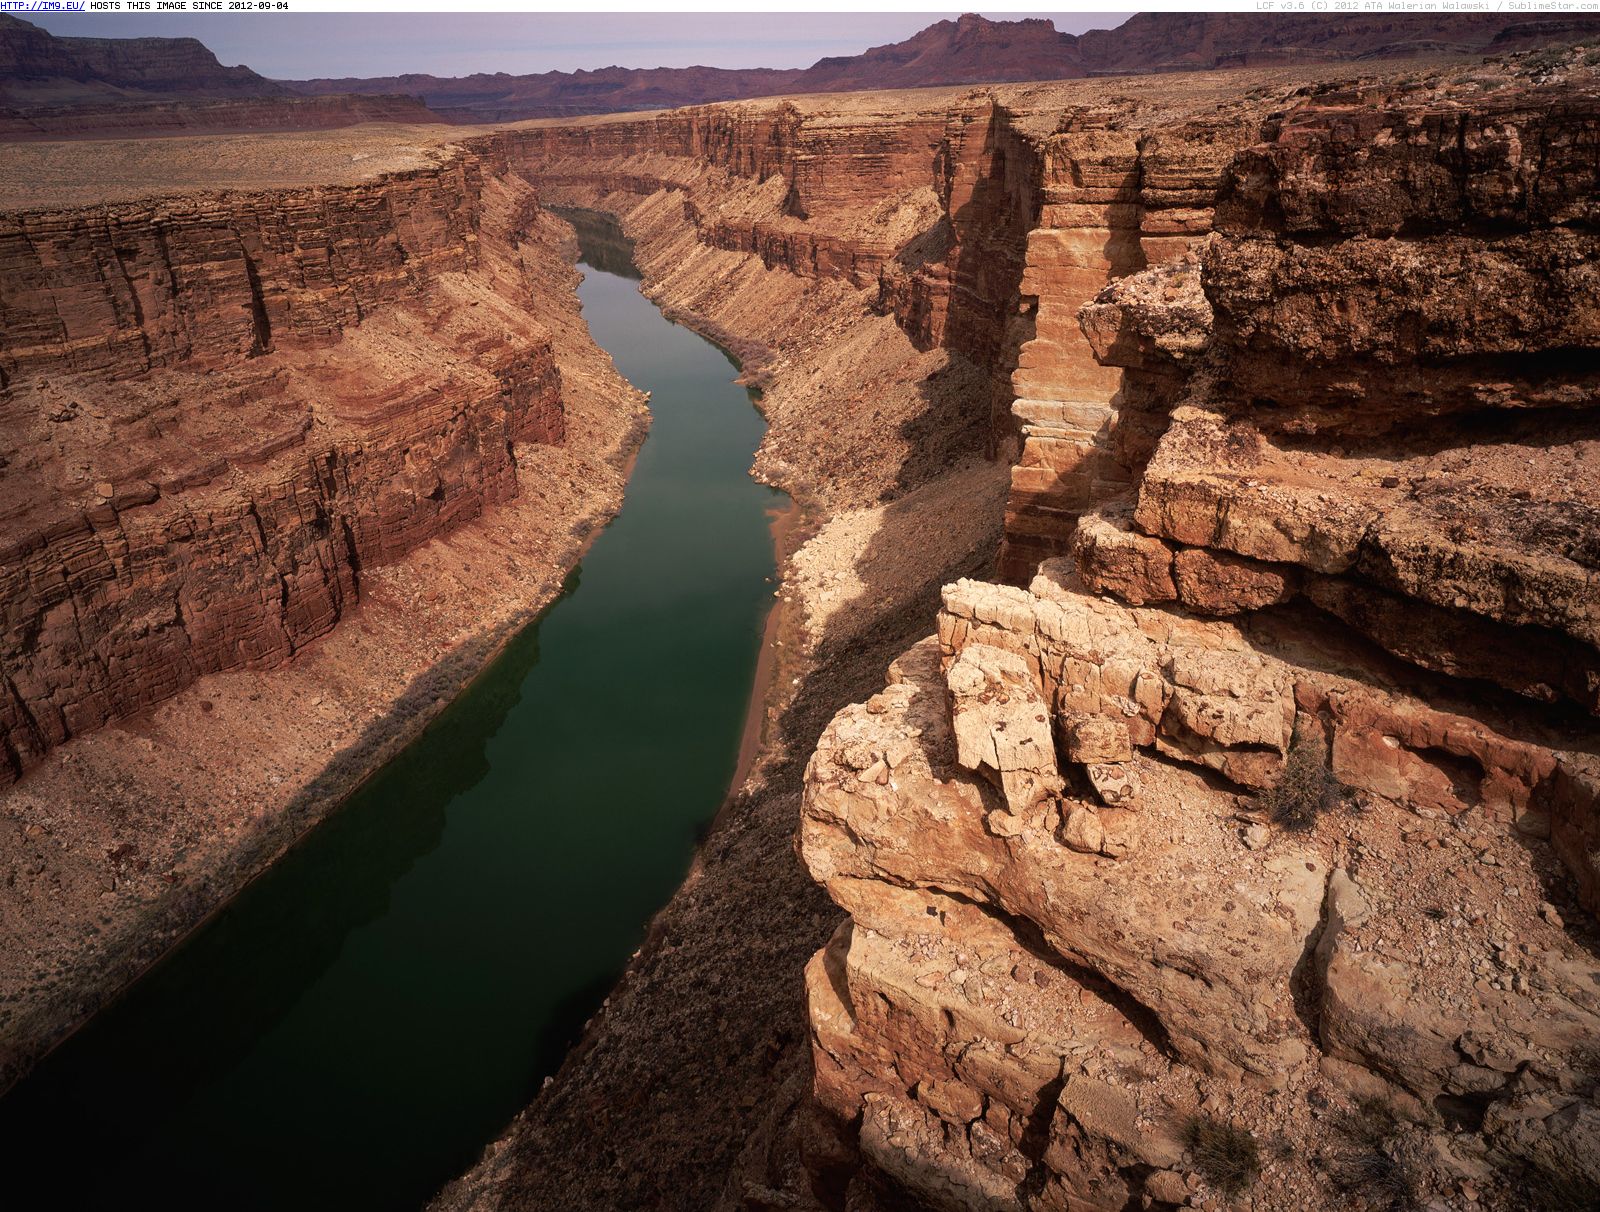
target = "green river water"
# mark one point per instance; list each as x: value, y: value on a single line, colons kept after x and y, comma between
x: 354, y: 1028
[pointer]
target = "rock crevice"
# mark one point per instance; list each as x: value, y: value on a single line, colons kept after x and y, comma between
x: 1291, y: 738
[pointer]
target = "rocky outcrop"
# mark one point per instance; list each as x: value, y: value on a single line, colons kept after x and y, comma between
x: 1267, y: 814
x: 983, y: 220
x: 1123, y: 191
x: 1379, y: 425
x: 199, y: 467
x: 1136, y: 953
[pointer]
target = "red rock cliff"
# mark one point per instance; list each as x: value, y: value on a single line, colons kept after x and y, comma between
x: 1269, y: 816
x: 217, y: 411
x: 983, y: 219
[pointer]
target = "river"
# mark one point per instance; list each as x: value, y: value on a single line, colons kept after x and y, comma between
x: 361, y: 1021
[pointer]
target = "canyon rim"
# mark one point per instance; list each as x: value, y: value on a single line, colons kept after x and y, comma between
x: 1167, y: 774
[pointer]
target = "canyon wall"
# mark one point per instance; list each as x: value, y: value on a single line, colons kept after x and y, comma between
x: 219, y: 411
x: 1252, y: 848
x: 826, y: 165
x: 1120, y: 192
x: 281, y: 469
x: 1266, y: 806
x: 902, y: 275
x: 981, y: 219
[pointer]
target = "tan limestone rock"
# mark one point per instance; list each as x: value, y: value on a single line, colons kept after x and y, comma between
x: 1231, y: 711
x: 1097, y: 738
x: 1112, y: 557
x: 1111, y: 1113
x: 926, y: 829
x: 1082, y: 831
x: 1115, y: 783
x: 1002, y: 726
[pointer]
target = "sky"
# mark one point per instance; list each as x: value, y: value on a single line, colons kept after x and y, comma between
x: 308, y: 45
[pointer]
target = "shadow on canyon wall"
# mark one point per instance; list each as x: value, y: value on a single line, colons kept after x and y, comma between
x: 703, y: 1045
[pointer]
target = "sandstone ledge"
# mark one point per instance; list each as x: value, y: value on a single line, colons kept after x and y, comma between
x: 1213, y: 941
x: 1337, y: 492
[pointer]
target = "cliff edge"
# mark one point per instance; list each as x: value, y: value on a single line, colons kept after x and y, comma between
x: 1249, y: 852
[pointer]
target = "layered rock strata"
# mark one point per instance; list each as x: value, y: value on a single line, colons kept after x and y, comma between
x: 982, y: 220
x: 112, y: 119
x: 1041, y: 982
x: 282, y: 470
x: 1267, y: 815
x: 778, y: 227
x: 1034, y: 993
x: 149, y: 541
x: 1117, y: 196
x: 881, y: 443
x: 34, y: 60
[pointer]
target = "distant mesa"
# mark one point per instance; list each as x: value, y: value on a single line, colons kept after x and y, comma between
x: 975, y: 50
x: 56, y: 88
x: 204, y: 116
x: 37, y: 68
x: 66, y: 88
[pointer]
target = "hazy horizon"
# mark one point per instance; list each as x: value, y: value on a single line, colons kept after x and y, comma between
x: 308, y: 45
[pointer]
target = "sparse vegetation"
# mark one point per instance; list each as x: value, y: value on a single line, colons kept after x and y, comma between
x: 1368, y: 1165
x: 1548, y: 1190
x: 1306, y: 791
x: 1547, y: 60
x: 1228, y: 1156
x: 1377, y: 1175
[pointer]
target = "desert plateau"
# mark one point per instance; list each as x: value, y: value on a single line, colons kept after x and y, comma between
x: 1005, y: 622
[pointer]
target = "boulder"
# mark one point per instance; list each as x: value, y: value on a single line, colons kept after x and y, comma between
x: 1001, y: 725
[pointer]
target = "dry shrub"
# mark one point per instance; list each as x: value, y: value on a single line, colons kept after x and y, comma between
x: 1367, y: 1164
x: 1305, y: 792
x: 1228, y: 1156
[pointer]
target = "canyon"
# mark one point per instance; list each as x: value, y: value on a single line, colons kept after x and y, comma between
x: 1243, y: 833
x: 203, y: 479
x: 1206, y: 461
